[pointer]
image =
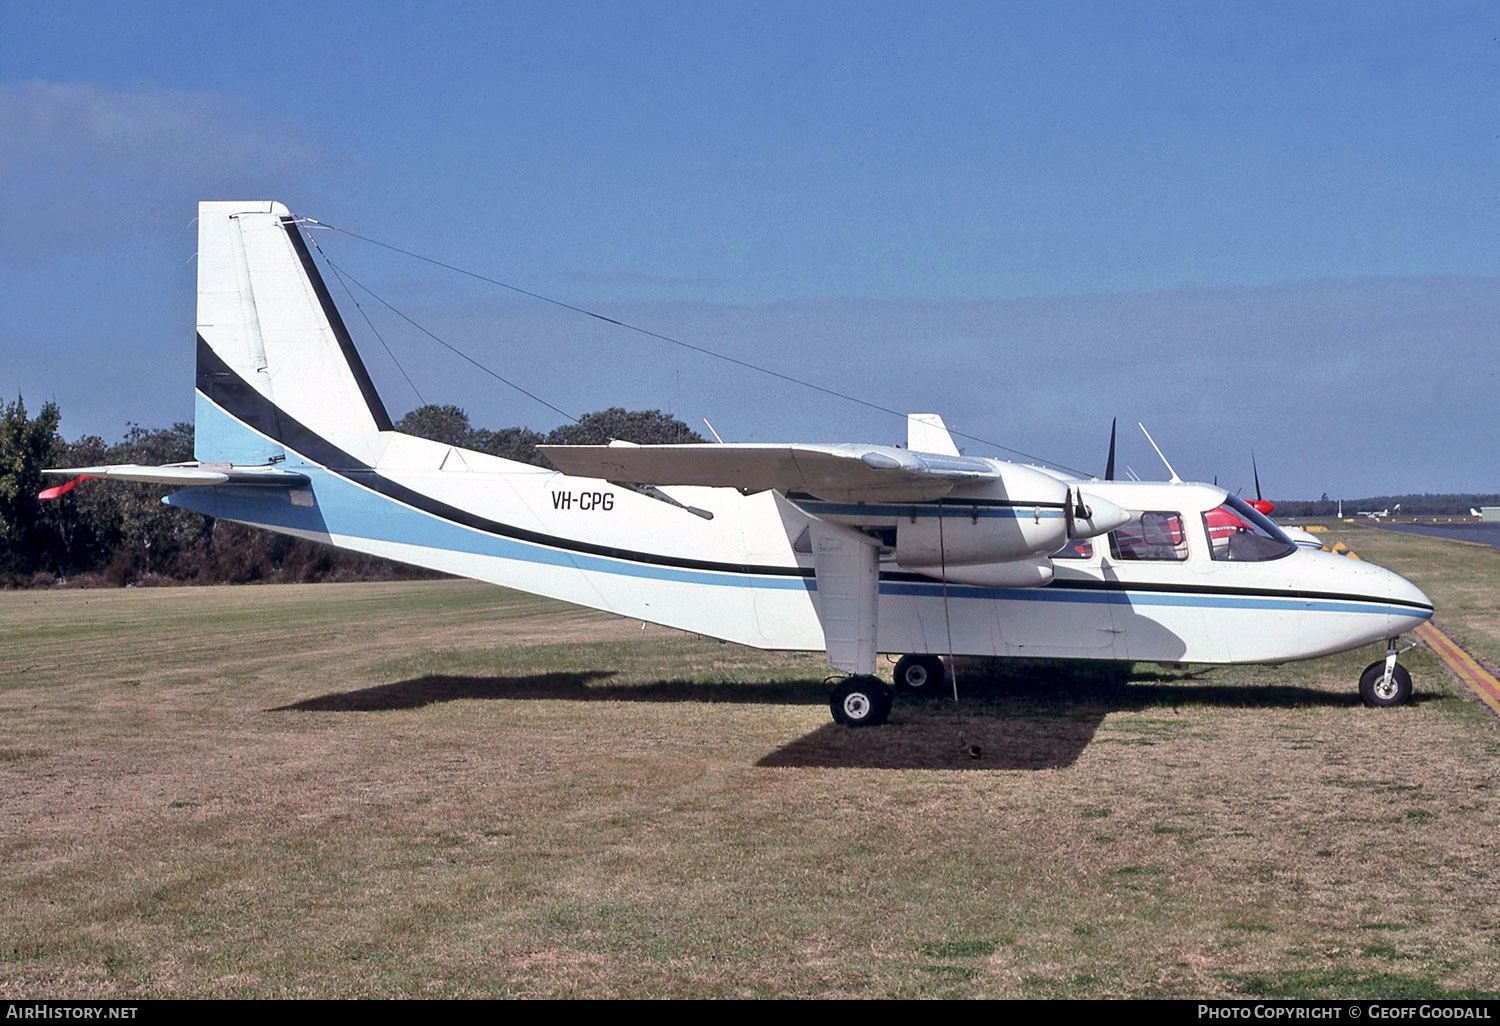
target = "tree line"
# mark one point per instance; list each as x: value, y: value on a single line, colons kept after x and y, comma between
x: 121, y: 534
x: 1427, y: 504
x: 117, y: 533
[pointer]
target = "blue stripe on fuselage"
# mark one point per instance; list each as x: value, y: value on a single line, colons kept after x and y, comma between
x: 349, y: 509
x: 344, y: 507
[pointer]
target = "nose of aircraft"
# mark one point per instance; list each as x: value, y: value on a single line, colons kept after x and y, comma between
x: 1400, y: 604
x: 1410, y: 605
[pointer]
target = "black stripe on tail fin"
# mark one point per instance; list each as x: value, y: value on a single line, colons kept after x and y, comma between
x: 340, y: 330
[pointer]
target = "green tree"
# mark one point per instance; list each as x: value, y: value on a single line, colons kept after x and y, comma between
x: 644, y: 427
x: 153, y: 539
x: 125, y: 532
x: 446, y: 423
x: 87, y: 518
x: 512, y: 443
x: 450, y: 425
x: 28, y: 529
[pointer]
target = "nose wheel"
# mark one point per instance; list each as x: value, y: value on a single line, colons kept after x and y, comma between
x: 1385, y: 682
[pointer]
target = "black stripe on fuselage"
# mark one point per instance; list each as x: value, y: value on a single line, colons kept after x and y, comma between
x: 253, y: 408
x: 1073, y: 584
x: 249, y: 406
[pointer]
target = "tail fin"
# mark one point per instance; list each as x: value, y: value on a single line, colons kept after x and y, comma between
x: 273, y: 353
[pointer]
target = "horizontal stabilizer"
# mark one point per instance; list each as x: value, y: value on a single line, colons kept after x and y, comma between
x: 185, y: 474
x: 827, y: 471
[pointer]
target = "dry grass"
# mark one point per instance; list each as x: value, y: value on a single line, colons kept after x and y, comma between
x: 272, y: 792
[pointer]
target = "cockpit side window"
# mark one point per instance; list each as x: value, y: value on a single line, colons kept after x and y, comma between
x: 1157, y: 535
x: 1238, y: 533
x: 1077, y: 548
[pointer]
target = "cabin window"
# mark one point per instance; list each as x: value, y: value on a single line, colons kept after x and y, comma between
x: 1238, y: 533
x: 1156, y: 535
x: 1077, y: 548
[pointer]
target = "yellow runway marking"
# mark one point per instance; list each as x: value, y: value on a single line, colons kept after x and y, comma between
x: 1480, y: 680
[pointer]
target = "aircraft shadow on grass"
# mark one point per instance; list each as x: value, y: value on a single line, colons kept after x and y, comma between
x: 583, y: 686
x: 1033, y: 724
x: 1021, y: 723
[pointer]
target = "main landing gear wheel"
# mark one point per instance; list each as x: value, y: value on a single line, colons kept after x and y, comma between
x: 1378, y: 691
x: 922, y: 674
x: 861, y: 702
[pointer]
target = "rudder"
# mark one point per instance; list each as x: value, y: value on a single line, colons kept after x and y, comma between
x: 273, y: 352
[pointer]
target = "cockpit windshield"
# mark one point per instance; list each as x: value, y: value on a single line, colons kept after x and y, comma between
x: 1239, y: 533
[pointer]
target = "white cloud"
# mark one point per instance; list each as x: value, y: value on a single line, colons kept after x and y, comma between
x: 83, y: 164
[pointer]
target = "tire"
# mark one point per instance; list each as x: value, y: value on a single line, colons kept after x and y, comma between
x: 861, y: 702
x: 1398, y: 692
x: 920, y: 674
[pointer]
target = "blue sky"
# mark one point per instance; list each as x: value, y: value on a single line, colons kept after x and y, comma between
x: 1249, y: 225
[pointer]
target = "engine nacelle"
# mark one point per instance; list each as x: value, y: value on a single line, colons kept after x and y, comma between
x: 1023, y: 573
x: 1022, y: 515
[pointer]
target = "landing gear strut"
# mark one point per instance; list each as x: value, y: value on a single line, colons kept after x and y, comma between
x: 861, y: 702
x: 1385, y: 682
x: 922, y: 674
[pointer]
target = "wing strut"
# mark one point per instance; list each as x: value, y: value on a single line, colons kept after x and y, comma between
x: 847, y: 568
x: 653, y: 492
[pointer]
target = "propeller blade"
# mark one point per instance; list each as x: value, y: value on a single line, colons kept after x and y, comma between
x: 1261, y: 503
x: 1109, y: 466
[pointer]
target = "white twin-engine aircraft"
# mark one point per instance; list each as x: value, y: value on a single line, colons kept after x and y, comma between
x: 849, y: 549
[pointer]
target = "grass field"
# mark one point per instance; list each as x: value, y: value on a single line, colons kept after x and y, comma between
x: 268, y: 791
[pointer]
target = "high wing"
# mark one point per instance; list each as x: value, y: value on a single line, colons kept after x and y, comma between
x: 847, y: 472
